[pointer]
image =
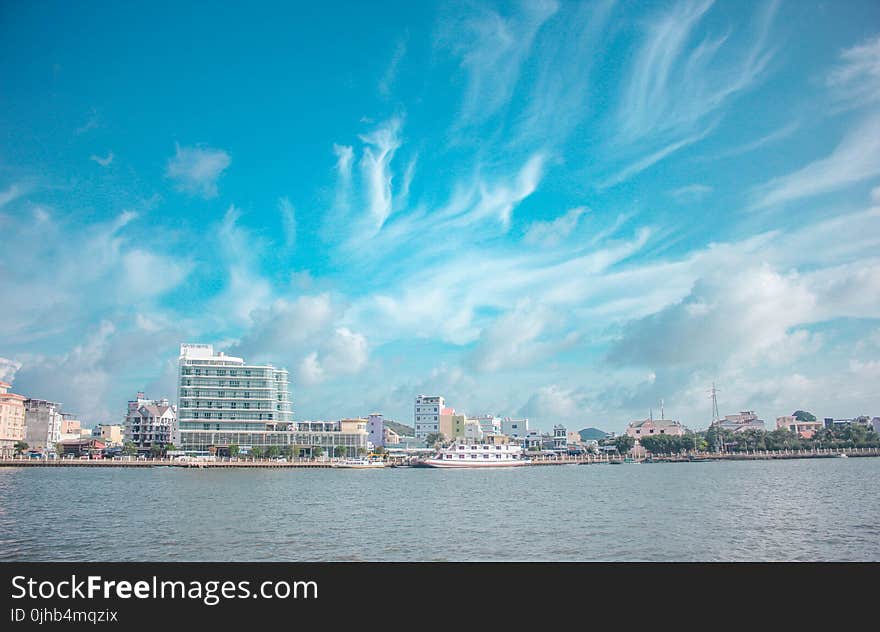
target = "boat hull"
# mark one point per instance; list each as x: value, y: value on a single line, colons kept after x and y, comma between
x: 450, y: 465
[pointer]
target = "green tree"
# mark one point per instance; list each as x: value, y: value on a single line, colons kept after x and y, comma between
x: 156, y: 450
x: 273, y: 452
x: 257, y: 453
x: 340, y: 451
x: 234, y: 450
x: 59, y: 449
x: 361, y: 451
x: 20, y: 447
x: 624, y: 443
x: 802, y: 415
x: 317, y: 450
x: 129, y: 448
x: 433, y: 439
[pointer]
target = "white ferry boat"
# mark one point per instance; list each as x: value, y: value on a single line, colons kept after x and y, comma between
x: 360, y: 464
x: 477, y: 455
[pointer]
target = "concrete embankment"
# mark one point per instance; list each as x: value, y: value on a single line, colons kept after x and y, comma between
x: 758, y: 455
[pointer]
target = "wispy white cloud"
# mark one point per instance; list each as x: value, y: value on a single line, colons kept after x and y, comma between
x: 691, y: 192
x: 91, y: 123
x: 245, y: 289
x: 288, y: 221
x: 105, y: 161
x: 380, y: 146
x: 14, y: 192
x: 388, y: 79
x: 650, y: 160
x: 855, y: 81
x: 673, y: 87
x: 776, y: 135
x: 491, y: 48
x: 855, y: 159
x: 551, y: 233
x: 565, y: 53
x: 197, y: 169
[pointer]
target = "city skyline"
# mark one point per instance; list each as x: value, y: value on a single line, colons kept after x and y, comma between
x: 560, y: 211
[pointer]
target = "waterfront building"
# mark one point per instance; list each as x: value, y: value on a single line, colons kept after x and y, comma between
x: 224, y: 401
x: 533, y: 440
x: 574, y: 437
x: 862, y: 420
x: 805, y: 429
x: 70, y: 425
x: 560, y: 438
x: 426, y: 414
x: 12, y: 420
x: 305, y: 436
x: 650, y: 427
x: 84, y: 446
x: 112, y: 434
x: 473, y: 431
x: 489, y: 424
x: 447, y: 423
x: 376, y: 429
x: 42, y: 421
x: 452, y: 425
x: 150, y: 423
x: 515, y: 428
x: 744, y: 420
x: 391, y: 437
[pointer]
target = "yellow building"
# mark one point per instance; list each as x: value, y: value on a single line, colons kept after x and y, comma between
x: 353, y: 426
x: 12, y: 429
x: 110, y: 433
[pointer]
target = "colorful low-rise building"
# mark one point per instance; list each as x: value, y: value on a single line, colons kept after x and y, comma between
x: 12, y: 420
x: 652, y: 427
x: 805, y: 429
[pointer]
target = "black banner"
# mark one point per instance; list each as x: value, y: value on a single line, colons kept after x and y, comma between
x: 226, y: 595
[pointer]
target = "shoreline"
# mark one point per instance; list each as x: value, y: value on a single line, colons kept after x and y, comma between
x: 827, y: 453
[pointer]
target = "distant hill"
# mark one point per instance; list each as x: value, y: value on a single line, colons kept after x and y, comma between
x: 401, y: 429
x: 592, y: 434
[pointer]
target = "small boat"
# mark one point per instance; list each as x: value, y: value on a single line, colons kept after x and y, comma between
x: 360, y: 464
x: 842, y: 456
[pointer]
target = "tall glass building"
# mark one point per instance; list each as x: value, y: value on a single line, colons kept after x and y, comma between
x: 224, y: 401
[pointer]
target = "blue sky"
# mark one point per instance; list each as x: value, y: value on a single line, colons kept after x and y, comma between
x: 568, y: 211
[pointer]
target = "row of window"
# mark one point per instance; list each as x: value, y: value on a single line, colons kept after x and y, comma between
x: 473, y: 456
x: 230, y: 416
x: 205, y: 382
x: 230, y: 405
x: 223, y: 372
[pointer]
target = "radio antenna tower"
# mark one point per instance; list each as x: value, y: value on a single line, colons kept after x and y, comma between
x: 719, y: 442
x: 713, y: 393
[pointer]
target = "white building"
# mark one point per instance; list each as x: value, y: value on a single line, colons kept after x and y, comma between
x: 560, y: 437
x: 515, y: 428
x: 224, y: 401
x: 42, y: 420
x: 150, y: 422
x: 473, y: 430
x: 426, y: 414
x: 744, y: 420
x: 489, y: 424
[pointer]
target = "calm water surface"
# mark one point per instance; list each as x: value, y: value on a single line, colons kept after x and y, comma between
x: 816, y: 509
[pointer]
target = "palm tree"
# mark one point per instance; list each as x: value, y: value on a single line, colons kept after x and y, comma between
x: 20, y: 447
